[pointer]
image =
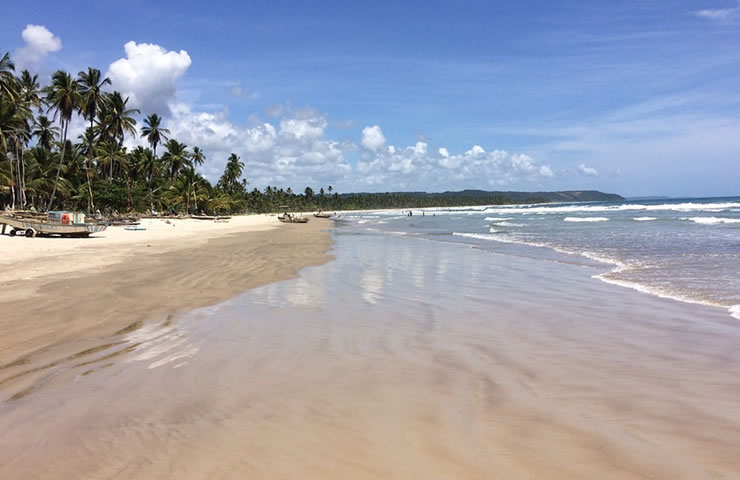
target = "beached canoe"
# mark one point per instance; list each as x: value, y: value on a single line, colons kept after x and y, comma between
x: 57, y: 223
x: 322, y: 215
x: 215, y: 218
x: 290, y: 218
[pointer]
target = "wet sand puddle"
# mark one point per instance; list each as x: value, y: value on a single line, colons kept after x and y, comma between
x: 403, y: 358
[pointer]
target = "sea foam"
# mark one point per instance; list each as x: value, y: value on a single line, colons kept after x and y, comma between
x: 585, y: 219
x: 676, y: 207
x: 711, y: 220
x: 510, y: 224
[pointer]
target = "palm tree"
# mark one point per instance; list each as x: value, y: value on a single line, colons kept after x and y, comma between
x: 197, y: 157
x: 176, y: 157
x: 63, y: 97
x: 232, y: 173
x: 148, y: 166
x: 29, y: 89
x: 40, y: 170
x: 7, y: 78
x: 153, y: 132
x: 45, y: 131
x: 117, y: 120
x: 15, y: 132
x: 91, y: 91
x: 110, y: 153
x: 186, y: 186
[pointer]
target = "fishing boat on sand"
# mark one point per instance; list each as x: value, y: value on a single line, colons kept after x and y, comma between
x: 322, y: 214
x: 56, y: 223
x: 290, y: 218
x: 215, y: 218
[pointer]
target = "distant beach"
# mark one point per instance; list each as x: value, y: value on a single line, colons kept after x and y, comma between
x: 403, y: 357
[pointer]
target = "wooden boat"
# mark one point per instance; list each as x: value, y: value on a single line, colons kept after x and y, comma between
x: 321, y: 214
x: 63, y: 224
x: 215, y: 218
x: 290, y: 218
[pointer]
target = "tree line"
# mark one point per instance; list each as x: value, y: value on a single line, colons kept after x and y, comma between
x: 42, y: 167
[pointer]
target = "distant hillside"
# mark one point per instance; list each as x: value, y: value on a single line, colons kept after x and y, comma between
x: 507, y: 197
x: 526, y: 197
x: 359, y: 201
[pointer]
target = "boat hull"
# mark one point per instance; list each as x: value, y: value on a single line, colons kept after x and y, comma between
x: 46, y: 228
x: 292, y: 219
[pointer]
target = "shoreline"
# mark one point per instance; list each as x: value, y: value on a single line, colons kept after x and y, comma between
x: 612, y: 266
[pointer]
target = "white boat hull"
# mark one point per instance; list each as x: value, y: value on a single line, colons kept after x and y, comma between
x: 37, y: 227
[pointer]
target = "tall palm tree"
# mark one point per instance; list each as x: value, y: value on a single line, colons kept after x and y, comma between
x: 26, y: 100
x: 15, y: 114
x: 198, y: 157
x: 7, y: 77
x: 29, y: 89
x: 91, y: 91
x: 176, y: 157
x: 148, y: 167
x: 153, y: 131
x: 117, y: 120
x: 63, y: 97
x: 8, y: 95
x: 232, y: 173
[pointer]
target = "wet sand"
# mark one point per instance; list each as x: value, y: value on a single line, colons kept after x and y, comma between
x: 403, y: 358
x: 50, y: 320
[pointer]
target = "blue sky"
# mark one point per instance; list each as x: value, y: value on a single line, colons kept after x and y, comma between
x: 637, y: 98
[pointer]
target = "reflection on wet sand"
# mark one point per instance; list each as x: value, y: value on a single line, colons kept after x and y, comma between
x: 401, y: 359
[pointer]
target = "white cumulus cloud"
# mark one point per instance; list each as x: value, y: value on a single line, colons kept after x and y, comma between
x: 417, y: 167
x: 546, y: 171
x: 723, y: 15
x: 148, y: 76
x: 293, y: 153
x: 372, y: 138
x: 39, y: 42
x: 592, y: 172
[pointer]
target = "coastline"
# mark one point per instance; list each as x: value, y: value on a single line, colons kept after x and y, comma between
x: 64, y: 296
x: 403, y: 358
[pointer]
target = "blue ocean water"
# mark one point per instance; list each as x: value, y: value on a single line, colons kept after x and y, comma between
x: 687, y: 249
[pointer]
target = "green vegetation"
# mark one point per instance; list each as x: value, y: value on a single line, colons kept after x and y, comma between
x: 41, y: 167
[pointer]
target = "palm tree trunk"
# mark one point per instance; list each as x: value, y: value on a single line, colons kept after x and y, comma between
x: 12, y: 184
x: 24, y: 200
x: 91, y: 201
x: 151, y: 176
x: 19, y: 173
x: 61, y: 161
x: 187, y: 201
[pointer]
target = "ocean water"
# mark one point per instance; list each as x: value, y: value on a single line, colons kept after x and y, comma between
x: 685, y: 249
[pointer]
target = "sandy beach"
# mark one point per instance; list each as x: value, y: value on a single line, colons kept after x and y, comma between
x: 61, y: 296
x: 402, y: 358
